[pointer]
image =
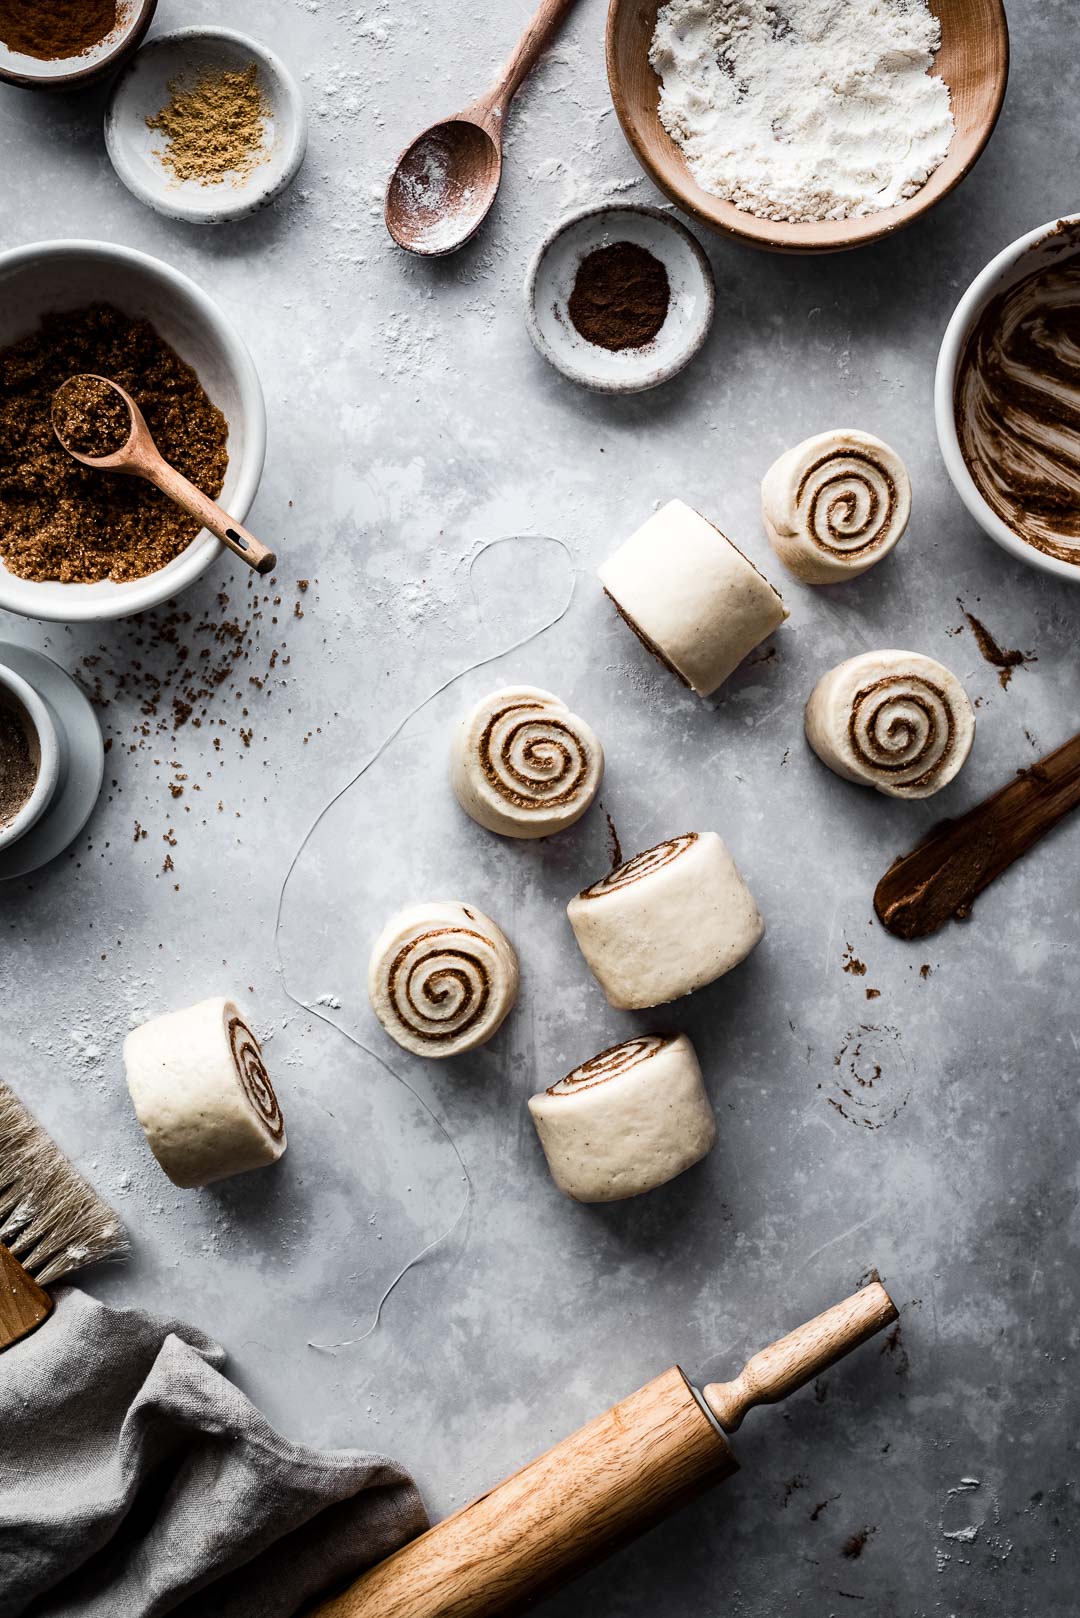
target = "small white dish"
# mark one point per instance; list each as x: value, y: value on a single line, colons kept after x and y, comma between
x: 20, y: 699
x: 1013, y: 264
x: 142, y: 90
x: 80, y: 761
x: 550, y: 281
x: 49, y: 276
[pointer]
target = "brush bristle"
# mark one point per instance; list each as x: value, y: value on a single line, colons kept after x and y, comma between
x: 50, y: 1217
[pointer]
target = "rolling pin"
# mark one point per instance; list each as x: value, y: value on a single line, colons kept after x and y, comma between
x: 608, y: 1482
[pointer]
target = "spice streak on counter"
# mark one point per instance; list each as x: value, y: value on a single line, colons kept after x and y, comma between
x: 1017, y: 403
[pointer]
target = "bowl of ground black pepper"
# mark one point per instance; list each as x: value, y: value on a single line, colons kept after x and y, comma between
x: 63, y: 44
x: 619, y: 298
x: 78, y: 543
x: 206, y: 125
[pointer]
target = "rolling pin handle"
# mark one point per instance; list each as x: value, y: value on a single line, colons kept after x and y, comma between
x: 802, y: 1355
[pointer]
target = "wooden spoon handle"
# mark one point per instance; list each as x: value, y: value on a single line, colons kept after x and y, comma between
x: 23, y: 1305
x: 537, y: 36
x: 944, y: 875
x: 802, y: 1355
x: 199, y: 505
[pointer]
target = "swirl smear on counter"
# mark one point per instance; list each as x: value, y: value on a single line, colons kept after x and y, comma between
x: 1017, y: 402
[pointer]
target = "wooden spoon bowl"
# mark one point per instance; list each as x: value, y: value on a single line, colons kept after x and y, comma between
x: 973, y: 61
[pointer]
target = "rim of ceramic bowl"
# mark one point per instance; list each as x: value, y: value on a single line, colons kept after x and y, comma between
x: 962, y: 322
x: 790, y: 236
x: 19, y: 688
x: 168, y: 581
x: 157, y: 197
x: 663, y: 373
x: 125, y: 45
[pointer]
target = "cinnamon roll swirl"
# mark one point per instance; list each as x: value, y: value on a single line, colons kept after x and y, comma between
x: 893, y: 720
x: 691, y: 596
x: 666, y: 922
x: 627, y: 1121
x: 441, y: 978
x: 835, y: 504
x: 522, y: 765
x: 202, y: 1093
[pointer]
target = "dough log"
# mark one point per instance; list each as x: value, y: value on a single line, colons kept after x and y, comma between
x: 442, y: 977
x: 835, y: 504
x: 691, y: 596
x: 202, y: 1093
x: 666, y: 922
x: 627, y: 1121
x: 522, y: 765
x: 893, y: 720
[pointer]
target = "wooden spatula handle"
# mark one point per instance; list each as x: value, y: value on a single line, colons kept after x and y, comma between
x: 796, y: 1359
x: 210, y: 514
x: 23, y: 1305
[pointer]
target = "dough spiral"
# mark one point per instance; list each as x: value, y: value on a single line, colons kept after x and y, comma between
x: 835, y: 504
x: 893, y: 720
x: 523, y: 765
x: 641, y: 866
x: 251, y: 1069
x: 442, y: 977
x: 609, y: 1064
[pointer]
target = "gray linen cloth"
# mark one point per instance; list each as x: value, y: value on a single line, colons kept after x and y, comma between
x: 135, y: 1479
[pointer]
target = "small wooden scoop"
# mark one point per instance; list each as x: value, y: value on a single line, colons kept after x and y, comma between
x: 940, y: 880
x: 140, y: 457
x: 613, y: 1479
x: 442, y: 189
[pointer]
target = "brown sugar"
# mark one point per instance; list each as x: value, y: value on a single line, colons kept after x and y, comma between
x: 60, y: 520
x: 90, y: 417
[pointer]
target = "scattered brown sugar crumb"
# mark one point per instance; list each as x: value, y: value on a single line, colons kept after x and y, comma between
x: 90, y: 417
x: 925, y: 970
x: 853, y: 1548
x: 60, y: 520
x: 1004, y: 661
x: 873, y: 994
x: 852, y: 963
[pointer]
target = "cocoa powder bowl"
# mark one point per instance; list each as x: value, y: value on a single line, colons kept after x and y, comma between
x: 133, y: 18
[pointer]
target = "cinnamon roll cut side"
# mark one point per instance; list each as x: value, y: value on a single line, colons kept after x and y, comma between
x: 893, y: 720
x: 835, y: 504
x: 627, y: 1121
x: 691, y: 596
x: 202, y: 1093
x: 441, y: 978
x: 523, y: 765
x: 666, y: 922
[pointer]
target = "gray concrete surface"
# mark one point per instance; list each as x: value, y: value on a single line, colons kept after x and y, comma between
x: 411, y: 423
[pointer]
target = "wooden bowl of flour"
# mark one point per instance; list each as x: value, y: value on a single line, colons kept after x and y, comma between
x: 973, y: 61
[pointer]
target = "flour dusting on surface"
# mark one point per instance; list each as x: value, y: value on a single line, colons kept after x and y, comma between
x: 804, y: 109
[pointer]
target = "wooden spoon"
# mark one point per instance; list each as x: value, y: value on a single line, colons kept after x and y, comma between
x: 442, y: 189
x: 140, y: 457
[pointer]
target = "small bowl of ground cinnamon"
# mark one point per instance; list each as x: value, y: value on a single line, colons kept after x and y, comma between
x: 63, y: 44
x: 206, y: 125
x: 619, y: 298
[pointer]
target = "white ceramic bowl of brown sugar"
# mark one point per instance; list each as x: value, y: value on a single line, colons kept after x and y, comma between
x: 58, y: 276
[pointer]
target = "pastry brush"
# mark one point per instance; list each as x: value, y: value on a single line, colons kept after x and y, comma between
x: 52, y: 1221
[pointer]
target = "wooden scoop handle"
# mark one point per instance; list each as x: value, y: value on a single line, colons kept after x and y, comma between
x: 537, y: 36
x: 796, y: 1359
x: 23, y: 1305
x: 198, y: 505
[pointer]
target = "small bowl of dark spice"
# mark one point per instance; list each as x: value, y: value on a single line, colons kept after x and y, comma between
x: 30, y: 760
x: 619, y: 298
x: 206, y: 125
x: 63, y: 44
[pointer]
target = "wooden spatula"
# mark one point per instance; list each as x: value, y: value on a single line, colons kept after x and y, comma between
x: 605, y: 1484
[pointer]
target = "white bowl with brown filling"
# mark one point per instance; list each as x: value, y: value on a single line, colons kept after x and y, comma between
x: 1007, y: 398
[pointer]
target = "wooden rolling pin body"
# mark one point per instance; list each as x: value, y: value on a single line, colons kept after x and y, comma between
x: 559, y: 1515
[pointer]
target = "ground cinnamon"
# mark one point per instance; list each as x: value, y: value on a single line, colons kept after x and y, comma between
x: 620, y: 297
x: 19, y: 760
x: 51, y: 30
x: 61, y: 520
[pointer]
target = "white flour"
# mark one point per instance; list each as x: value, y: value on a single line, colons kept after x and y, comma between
x: 803, y: 109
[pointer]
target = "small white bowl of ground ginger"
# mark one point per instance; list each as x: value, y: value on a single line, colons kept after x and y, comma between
x: 206, y: 125
x: 78, y: 545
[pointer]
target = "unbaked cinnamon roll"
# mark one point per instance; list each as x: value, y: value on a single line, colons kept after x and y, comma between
x: 522, y: 765
x: 835, y: 504
x: 442, y: 977
x: 893, y: 720
x: 202, y: 1093
x: 626, y: 1121
x: 666, y: 922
